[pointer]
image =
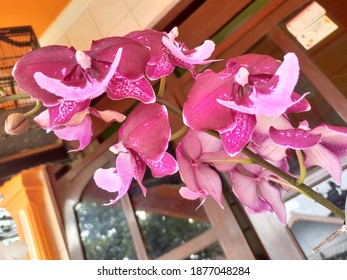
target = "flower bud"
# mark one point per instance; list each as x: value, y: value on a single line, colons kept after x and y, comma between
x: 16, y: 123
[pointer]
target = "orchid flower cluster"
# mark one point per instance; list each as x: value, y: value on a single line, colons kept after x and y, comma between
x: 236, y: 120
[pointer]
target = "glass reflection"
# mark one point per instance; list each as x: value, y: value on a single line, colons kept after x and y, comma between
x: 311, y: 223
x: 166, y: 219
x: 103, y: 229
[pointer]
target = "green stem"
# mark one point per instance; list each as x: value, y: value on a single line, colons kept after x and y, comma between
x: 34, y: 110
x: 170, y: 107
x: 235, y: 160
x: 161, y: 87
x: 302, y: 176
x: 14, y: 97
x: 179, y: 133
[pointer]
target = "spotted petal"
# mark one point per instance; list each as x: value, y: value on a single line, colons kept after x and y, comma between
x: 294, y: 138
x: 81, y: 132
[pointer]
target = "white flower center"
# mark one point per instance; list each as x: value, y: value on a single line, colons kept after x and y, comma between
x: 242, y: 76
x: 83, y: 60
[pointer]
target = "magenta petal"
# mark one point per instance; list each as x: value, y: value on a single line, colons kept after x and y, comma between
x: 42, y: 119
x: 93, y: 88
x: 261, y: 130
x: 108, y: 115
x: 120, y: 87
x: 162, y: 68
x: 63, y: 112
x: 209, y: 181
x: 273, y: 196
x: 191, y: 144
x: 166, y: 166
x: 334, y: 138
x: 300, y: 105
x: 187, y: 193
x: 107, y: 179
x: 139, y: 171
x: 321, y: 156
x: 53, y: 61
x: 125, y: 168
x: 147, y: 131
x: 82, y: 132
x: 294, y: 138
x: 246, y: 190
x: 201, y: 111
x: 236, y: 139
x: 186, y: 170
x: 131, y: 66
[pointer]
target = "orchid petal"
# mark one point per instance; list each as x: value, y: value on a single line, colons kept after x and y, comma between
x: 236, y: 139
x: 91, y: 89
x: 195, y: 56
x: 294, y: 138
x: 108, y: 115
x: 201, y: 111
x: 46, y: 60
x: 139, y: 171
x: 273, y: 196
x: 81, y: 132
x: 334, y: 138
x: 187, y: 193
x: 63, y: 112
x: 147, y: 131
x: 42, y: 119
x: 120, y: 87
x: 245, y: 189
x: 108, y: 179
x: 323, y: 157
x: 209, y: 181
x: 261, y: 130
x: 192, y: 145
x: 166, y: 166
x: 299, y: 104
x: 186, y: 170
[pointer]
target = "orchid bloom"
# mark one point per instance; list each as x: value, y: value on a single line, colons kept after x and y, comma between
x: 144, y: 140
x: 70, y: 120
x: 262, y: 85
x: 65, y: 80
x: 255, y: 191
x: 166, y: 52
x: 195, y: 153
x: 251, y: 81
x: 323, y: 146
x: 129, y: 79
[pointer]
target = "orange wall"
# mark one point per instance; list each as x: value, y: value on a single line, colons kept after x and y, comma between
x: 37, y: 13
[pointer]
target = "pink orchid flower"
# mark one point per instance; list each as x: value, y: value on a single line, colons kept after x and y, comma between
x: 166, y: 52
x: 255, y: 191
x: 195, y: 153
x: 129, y: 79
x: 323, y: 146
x: 205, y: 108
x: 144, y: 140
x: 252, y: 183
x: 70, y: 120
x: 54, y: 73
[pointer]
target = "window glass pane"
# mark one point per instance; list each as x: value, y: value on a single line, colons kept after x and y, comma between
x: 165, y: 218
x: 103, y: 229
x: 330, y: 54
x: 311, y: 223
x: 8, y: 228
x: 213, y: 252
